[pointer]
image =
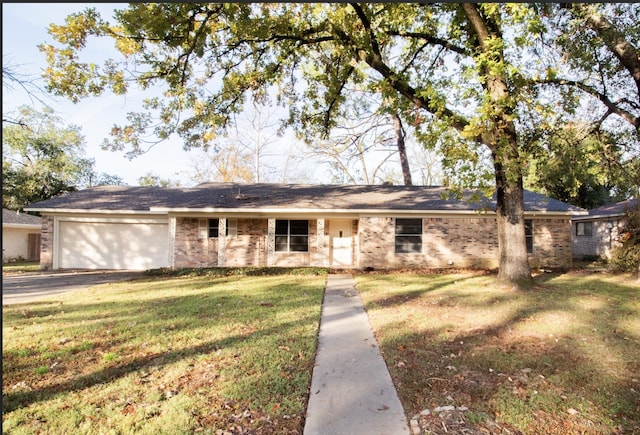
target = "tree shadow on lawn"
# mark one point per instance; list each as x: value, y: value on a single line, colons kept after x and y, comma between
x: 560, y: 358
x: 236, y: 318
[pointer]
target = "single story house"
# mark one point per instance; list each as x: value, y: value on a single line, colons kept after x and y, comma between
x: 20, y: 236
x: 234, y: 225
x: 596, y: 233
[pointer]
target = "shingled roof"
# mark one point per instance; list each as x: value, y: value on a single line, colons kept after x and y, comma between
x: 302, y: 197
x: 612, y: 210
x: 14, y: 218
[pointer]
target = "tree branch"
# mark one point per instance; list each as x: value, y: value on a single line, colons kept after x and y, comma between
x: 623, y: 50
x: 610, y: 105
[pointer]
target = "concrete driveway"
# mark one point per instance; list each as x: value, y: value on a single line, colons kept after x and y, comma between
x: 29, y: 287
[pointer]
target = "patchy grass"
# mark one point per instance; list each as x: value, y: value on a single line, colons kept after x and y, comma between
x: 163, y: 355
x: 469, y: 357
x: 20, y: 267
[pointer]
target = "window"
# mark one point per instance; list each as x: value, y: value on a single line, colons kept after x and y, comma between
x: 408, y: 236
x: 211, y: 228
x: 232, y: 227
x: 528, y: 234
x: 584, y: 229
x: 292, y: 235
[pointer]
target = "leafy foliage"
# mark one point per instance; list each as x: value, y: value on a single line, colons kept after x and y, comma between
x: 42, y: 158
x: 151, y: 179
x: 475, y: 71
x: 626, y: 256
x: 586, y: 168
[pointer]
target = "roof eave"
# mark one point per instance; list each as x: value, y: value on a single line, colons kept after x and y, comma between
x: 26, y: 226
x: 52, y: 211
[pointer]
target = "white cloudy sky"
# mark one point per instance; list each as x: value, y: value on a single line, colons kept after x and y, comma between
x: 24, y: 26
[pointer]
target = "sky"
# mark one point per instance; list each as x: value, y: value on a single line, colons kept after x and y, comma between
x: 24, y: 26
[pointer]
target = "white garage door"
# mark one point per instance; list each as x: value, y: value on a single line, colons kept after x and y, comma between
x: 106, y: 245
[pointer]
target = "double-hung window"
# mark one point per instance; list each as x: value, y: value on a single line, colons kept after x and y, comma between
x: 584, y: 229
x: 528, y: 234
x: 210, y: 228
x: 408, y: 236
x: 292, y: 235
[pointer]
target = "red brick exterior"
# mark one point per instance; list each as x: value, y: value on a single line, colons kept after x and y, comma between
x: 552, y: 243
x: 191, y: 251
x: 46, y: 243
x: 446, y: 242
x: 249, y: 247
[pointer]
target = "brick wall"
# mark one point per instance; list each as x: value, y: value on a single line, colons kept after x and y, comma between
x: 446, y: 242
x: 459, y: 242
x: 249, y: 247
x: 46, y: 243
x: 601, y: 240
x: 189, y: 250
x: 551, y: 243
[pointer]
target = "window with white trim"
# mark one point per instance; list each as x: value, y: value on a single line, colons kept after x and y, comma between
x: 232, y: 227
x: 584, y: 229
x: 292, y: 235
x: 528, y: 234
x: 408, y: 236
x: 210, y: 228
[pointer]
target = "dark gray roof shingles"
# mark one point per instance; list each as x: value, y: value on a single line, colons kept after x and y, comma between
x: 12, y: 217
x: 617, y: 209
x: 285, y: 196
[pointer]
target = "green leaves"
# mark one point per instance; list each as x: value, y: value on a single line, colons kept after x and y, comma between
x: 41, y: 158
x: 482, y: 71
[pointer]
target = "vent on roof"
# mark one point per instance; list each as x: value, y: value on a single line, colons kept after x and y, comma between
x: 243, y: 197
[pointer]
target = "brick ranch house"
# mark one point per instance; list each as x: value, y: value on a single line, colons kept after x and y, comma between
x: 233, y: 225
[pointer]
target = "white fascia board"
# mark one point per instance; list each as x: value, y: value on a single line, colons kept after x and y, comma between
x: 598, y: 217
x: 275, y: 212
x: 543, y: 213
x: 64, y: 211
x: 23, y: 226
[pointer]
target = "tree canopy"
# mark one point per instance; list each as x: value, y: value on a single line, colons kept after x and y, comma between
x: 485, y: 75
x: 42, y: 158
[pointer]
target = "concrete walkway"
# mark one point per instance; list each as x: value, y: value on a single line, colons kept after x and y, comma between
x: 351, y: 389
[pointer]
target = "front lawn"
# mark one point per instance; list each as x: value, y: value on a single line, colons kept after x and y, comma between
x: 17, y: 267
x: 232, y: 354
x: 469, y: 357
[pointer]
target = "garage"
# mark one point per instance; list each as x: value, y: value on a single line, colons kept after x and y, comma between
x: 135, y: 244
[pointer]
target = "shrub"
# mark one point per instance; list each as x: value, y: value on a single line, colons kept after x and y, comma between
x: 626, y: 257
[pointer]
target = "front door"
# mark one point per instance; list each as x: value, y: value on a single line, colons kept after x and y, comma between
x: 341, y: 243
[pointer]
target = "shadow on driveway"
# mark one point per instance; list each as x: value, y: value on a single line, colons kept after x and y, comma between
x: 29, y: 287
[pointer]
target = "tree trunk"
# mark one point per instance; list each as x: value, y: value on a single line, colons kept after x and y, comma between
x: 514, y: 269
x: 502, y: 138
x: 402, y: 150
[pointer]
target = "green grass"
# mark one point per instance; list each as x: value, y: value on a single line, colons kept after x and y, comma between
x: 561, y: 358
x: 164, y: 355
x: 20, y: 267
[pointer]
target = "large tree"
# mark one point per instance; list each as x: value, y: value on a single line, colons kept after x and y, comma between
x: 469, y: 68
x: 42, y: 157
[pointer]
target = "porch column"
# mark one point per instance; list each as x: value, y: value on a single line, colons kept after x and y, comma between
x: 322, y: 258
x: 222, y: 240
x: 271, y: 241
x: 172, y: 242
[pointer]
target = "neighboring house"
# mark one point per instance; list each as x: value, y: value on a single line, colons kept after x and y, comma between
x: 20, y: 236
x: 595, y: 234
x: 212, y: 224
